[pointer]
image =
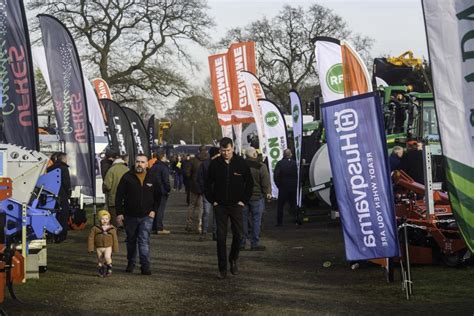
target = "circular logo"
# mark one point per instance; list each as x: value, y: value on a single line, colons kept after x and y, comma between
x: 334, y: 79
x: 295, y: 113
x: 271, y: 118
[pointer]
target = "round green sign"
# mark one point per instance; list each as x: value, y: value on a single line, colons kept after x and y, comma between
x: 334, y: 79
x: 271, y: 119
x: 296, y: 113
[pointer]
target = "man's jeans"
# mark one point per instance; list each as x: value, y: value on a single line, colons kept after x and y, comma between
x: 205, y: 216
x: 160, y: 214
x: 223, y: 214
x: 194, y: 218
x: 254, y: 211
x: 138, y: 232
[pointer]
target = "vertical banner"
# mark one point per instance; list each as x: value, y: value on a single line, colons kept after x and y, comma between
x: 241, y: 57
x: 227, y: 131
x: 119, y: 130
x: 220, y: 85
x: 329, y: 65
x: 140, y: 135
x: 354, y: 72
x: 359, y: 162
x: 275, y: 129
x: 255, y: 92
x: 102, y: 88
x: 20, y: 123
x: 151, y: 132
x: 297, y: 116
x: 450, y: 34
x: 69, y: 98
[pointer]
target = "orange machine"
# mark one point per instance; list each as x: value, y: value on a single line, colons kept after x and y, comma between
x: 430, y: 236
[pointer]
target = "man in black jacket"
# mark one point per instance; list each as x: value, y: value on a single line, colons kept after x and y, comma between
x: 286, y: 178
x: 161, y: 172
x: 136, y: 202
x: 64, y: 194
x: 228, y: 187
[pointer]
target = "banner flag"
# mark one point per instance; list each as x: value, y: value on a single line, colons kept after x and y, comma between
x: 140, y: 135
x: 275, y: 129
x: 220, y: 84
x: 255, y: 92
x: 241, y: 57
x: 341, y: 70
x: 450, y: 34
x: 151, y: 131
x: 69, y: 98
x: 359, y: 162
x: 91, y: 191
x: 297, y: 115
x: 102, y: 88
x: 20, y: 120
x: 227, y: 131
x: 119, y: 130
x: 238, y: 137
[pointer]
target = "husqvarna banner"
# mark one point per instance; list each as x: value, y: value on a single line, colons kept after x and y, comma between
x: 275, y: 129
x: 69, y: 98
x: 297, y: 117
x: 140, y: 136
x: 119, y: 130
x: 20, y: 126
x: 359, y: 163
x: 450, y: 34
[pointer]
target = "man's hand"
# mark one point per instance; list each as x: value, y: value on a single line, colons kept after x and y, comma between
x: 119, y: 220
x: 241, y: 203
x: 269, y: 196
x: 214, y: 204
x: 152, y: 214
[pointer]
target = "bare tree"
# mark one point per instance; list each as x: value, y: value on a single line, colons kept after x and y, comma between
x: 138, y: 46
x: 285, y: 53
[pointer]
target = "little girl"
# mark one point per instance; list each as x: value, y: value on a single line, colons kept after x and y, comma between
x: 104, y: 239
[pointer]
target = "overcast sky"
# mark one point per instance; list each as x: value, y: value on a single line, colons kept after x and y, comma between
x: 396, y: 26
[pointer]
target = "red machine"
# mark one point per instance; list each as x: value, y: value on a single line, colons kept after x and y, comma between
x: 430, y: 236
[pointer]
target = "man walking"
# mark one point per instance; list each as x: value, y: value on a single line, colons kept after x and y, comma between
x: 228, y: 187
x: 285, y: 176
x: 261, y: 189
x: 161, y: 172
x: 137, y: 201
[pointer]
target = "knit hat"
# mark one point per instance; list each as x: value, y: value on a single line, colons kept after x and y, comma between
x: 213, y: 151
x: 103, y: 213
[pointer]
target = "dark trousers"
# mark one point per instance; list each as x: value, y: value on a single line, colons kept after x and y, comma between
x: 158, y: 221
x: 222, y: 214
x: 62, y: 216
x: 286, y: 196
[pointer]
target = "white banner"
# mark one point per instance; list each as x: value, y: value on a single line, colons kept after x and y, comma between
x: 275, y: 128
x: 297, y: 117
x: 329, y: 65
x: 255, y: 93
x: 238, y: 138
x: 227, y: 131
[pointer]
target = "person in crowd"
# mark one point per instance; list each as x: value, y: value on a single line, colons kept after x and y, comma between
x: 153, y: 160
x: 136, y: 202
x: 207, y: 209
x: 186, y: 178
x: 412, y: 161
x: 395, y: 158
x: 285, y: 177
x: 195, y: 210
x: 111, y: 181
x: 52, y: 159
x: 103, y: 238
x: 161, y: 172
x: 177, y: 167
x: 254, y: 209
x: 228, y: 187
x: 107, y: 161
x: 63, y: 196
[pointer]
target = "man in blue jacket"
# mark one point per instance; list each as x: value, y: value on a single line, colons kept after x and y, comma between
x: 136, y: 202
x: 228, y: 187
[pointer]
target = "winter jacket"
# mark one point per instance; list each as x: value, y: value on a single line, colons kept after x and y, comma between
x: 261, y: 179
x: 285, y: 174
x: 112, y: 179
x: 133, y: 199
x: 161, y: 172
x: 65, y: 189
x: 100, y: 238
x: 228, y: 183
x: 193, y: 172
x: 202, y: 174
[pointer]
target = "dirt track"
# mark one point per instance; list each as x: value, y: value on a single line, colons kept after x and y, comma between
x: 287, y: 278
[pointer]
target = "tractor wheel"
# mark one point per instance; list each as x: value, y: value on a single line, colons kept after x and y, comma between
x: 452, y: 260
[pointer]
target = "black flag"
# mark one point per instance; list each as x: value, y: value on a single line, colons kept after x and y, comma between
x: 140, y: 136
x: 119, y: 130
x: 151, y: 132
x: 16, y: 73
x: 69, y: 98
